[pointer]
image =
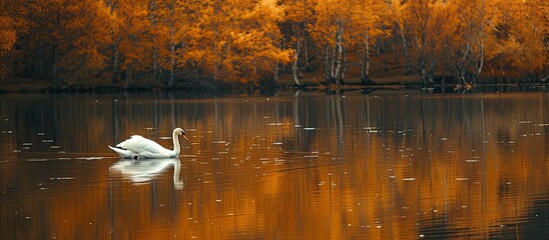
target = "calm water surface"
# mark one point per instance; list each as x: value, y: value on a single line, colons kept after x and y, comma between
x: 397, y: 165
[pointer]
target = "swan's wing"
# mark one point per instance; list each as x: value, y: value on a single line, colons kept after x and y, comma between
x: 141, y: 145
x: 124, y: 153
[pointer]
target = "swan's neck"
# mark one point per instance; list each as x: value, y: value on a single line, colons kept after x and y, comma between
x: 176, y: 172
x: 176, y: 147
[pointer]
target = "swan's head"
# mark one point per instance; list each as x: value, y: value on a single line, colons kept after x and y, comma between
x: 180, y: 132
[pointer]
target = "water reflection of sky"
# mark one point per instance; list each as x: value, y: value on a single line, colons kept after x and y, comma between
x: 311, y: 166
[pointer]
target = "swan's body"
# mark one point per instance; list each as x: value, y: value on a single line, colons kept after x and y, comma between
x: 138, y: 147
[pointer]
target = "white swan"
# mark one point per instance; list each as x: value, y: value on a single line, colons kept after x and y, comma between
x: 138, y: 147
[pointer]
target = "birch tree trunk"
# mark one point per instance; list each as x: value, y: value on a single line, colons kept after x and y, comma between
x: 337, y: 70
x: 364, y: 58
x: 171, y: 81
x: 296, y: 73
x: 115, y: 44
x: 408, y: 66
x: 115, y: 64
x: 155, y: 57
x: 128, y: 78
x: 333, y: 58
x: 276, y: 73
x: 295, y: 68
x: 173, y: 43
x: 55, y: 78
x: 480, y: 59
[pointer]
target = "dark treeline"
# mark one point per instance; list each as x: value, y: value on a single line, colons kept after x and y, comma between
x: 172, y: 43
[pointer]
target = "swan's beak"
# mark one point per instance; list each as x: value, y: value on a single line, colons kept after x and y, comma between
x: 185, y: 137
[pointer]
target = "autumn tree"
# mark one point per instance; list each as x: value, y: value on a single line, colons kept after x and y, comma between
x: 7, y: 42
x: 82, y: 41
x: 34, y: 38
x: 241, y: 40
x: 418, y: 16
x: 261, y: 41
x: 348, y: 26
x: 159, y: 42
x: 518, y: 39
x: 13, y: 25
x: 367, y: 25
x: 132, y: 33
x: 60, y: 40
x: 181, y: 21
x: 328, y: 32
x: 397, y: 13
x: 465, y: 46
x: 298, y: 17
x: 446, y: 37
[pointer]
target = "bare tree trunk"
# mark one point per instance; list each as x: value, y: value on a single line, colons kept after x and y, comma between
x: 339, y: 55
x: 115, y: 64
x: 173, y: 43
x: 430, y: 77
x: 55, y: 79
x: 327, y: 65
x: 333, y: 58
x: 421, y: 61
x: 336, y: 70
x: 305, y: 51
x: 115, y: 52
x: 364, y: 58
x: 480, y: 64
x: 40, y: 61
x: 217, y: 52
x: 408, y: 65
x: 297, y: 54
x: 171, y: 81
x: 156, y: 65
x: 128, y: 79
x: 276, y: 73
x: 295, y: 71
x: 480, y: 60
x: 345, y: 67
x: 462, y: 67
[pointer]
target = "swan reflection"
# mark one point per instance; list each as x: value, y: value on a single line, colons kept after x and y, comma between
x: 139, y: 171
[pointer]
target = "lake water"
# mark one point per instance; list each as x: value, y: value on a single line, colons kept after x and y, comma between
x: 383, y: 165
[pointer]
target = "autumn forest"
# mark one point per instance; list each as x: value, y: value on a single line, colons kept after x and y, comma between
x: 174, y: 43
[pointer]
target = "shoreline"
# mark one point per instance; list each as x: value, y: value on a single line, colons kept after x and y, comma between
x: 386, y: 83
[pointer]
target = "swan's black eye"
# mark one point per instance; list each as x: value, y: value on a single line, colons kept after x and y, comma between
x: 135, y: 157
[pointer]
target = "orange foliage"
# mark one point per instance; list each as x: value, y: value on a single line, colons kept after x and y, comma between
x: 167, y: 41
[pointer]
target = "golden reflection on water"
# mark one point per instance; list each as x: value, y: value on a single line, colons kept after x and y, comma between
x: 388, y: 166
